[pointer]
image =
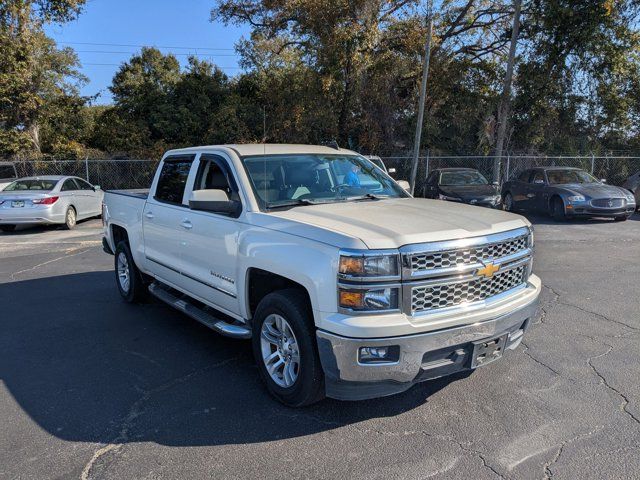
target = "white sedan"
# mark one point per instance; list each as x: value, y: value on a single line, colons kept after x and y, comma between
x: 48, y: 200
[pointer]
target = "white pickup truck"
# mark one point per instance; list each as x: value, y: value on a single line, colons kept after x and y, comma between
x: 347, y: 286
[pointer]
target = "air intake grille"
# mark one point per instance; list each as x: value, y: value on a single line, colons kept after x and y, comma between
x: 421, y: 262
x: 608, y: 202
x: 442, y: 296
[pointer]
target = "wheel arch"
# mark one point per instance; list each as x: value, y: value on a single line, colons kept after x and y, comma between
x: 259, y: 283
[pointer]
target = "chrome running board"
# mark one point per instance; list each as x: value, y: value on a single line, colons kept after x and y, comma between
x: 185, y: 306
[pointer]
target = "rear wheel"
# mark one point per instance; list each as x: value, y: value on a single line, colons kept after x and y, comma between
x: 507, y: 202
x: 557, y: 209
x: 7, y: 228
x: 70, y: 218
x: 128, y: 278
x: 285, y: 348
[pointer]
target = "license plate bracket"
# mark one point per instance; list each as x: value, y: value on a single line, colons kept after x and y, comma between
x: 489, y: 350
x: 17, y: 204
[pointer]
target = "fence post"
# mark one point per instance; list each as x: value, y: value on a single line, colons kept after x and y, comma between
x: 508, y: 175
x: 593, y: 161
x: 86, y: 168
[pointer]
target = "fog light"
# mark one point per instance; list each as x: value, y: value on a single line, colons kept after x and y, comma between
x: 386, y: 354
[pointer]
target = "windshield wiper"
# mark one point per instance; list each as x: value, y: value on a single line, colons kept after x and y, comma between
x: 292, y: 203
x: 368, y: 196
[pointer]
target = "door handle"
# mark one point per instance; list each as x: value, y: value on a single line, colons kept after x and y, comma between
x: 186, y: 224
x: 149, y: 215
x: 531, y: 195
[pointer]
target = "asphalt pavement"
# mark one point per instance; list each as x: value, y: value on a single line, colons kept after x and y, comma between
x: 91, y: 387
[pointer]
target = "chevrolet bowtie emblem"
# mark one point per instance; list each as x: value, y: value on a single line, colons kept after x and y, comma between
x: 488, y: 270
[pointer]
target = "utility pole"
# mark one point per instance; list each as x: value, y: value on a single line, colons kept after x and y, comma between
x: 505, y: 101
x: 423, y: 94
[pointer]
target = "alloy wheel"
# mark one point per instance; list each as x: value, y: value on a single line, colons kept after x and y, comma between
x: 280, y: 351
x: 123, y: 272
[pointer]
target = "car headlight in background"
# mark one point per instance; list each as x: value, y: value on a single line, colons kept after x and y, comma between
x: 576, y: 198
x: 371, y: 299
x: 450, y: 199
x: 370, y: 266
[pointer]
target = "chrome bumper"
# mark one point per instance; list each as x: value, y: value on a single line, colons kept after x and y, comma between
x: 422, y: 356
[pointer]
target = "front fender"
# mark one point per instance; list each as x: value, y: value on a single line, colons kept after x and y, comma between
x: 312, y: 264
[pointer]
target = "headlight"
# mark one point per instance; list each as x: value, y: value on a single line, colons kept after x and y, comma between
x: 451, y: 199
x: 576, y: 198
x: 366, y: 265
x: 630, y: 195
x: 371, y: 299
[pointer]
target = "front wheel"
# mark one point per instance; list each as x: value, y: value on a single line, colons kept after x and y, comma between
x: 507, y: 202
x: 557, y: 210
x: 284, y: 346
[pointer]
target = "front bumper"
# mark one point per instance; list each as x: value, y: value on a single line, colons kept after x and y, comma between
x: 589, y: 211
x: 422, y: 356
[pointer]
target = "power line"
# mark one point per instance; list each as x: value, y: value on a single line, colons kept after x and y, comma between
x: 141, y: 46
x: 120, y: 64
x: 171, y: 53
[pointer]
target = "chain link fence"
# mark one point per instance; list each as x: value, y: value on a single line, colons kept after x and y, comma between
x: 615, y: 170
x: 109, y: 174
x: 122, y: 174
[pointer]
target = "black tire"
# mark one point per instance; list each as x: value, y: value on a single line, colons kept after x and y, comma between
x: 135, y: 291
x: 70, y: 218
x: 507, y: 202
x: 7, y: 228
x: 622, y: 218
x: 557, y: 210
x: 292, y: 305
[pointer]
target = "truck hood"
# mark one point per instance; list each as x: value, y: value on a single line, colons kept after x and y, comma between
x: 393, y: 223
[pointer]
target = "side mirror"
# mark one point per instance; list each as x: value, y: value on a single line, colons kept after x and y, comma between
x: 404, y: 184
x: 216, y: 201
x: 603, y: 180
x: 96, y: 188
x: 391, y: 170
x: 538, y: 182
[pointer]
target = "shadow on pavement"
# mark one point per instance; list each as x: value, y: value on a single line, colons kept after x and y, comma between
x: 87, y: 367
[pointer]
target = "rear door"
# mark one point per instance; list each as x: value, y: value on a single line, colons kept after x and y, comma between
x: 535, y: 191
x: 518, y: 189
x: 162, y: 217
x: 87, y: 198
x: 210, y: 247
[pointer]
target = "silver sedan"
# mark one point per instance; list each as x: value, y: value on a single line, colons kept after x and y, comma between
x: 48, y: 200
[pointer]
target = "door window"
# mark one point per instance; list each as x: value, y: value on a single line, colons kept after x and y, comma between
x: 538, y: 177
x: 82, y: 185
x: 69, y: 185
x: 173, y: 179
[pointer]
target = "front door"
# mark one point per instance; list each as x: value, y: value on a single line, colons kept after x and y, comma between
x: 210, y: 247
x: 535, y: 191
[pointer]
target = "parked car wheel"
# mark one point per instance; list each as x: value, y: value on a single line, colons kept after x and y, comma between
x: 557, y: 209
x: 507, y: 202
x: 285, y: 349
x: 128, y: 278
x: 70, y: 219
x: 7, y: 228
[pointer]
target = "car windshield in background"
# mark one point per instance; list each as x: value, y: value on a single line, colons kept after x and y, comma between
x: 467, y: 177
x: 31, y: 185
x: 282, y: 180
x: 559, y: 177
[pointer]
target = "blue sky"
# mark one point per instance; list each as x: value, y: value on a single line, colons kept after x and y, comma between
x: 108, y: 32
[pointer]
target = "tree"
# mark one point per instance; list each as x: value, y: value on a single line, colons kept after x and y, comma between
x: 34, y: 75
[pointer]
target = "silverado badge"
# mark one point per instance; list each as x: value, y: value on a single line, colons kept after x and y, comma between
x: 488, y: 270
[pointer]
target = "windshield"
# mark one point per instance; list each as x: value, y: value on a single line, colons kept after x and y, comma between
x: 559, y: 177
x: 465, y: 177
x: 317, y: 178
x: 31, y: 185
x: 7, y: 171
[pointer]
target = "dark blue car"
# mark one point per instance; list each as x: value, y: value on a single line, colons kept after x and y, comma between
x: 564, y: 192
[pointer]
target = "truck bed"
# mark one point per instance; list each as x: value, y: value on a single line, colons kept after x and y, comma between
x: 134, y: 192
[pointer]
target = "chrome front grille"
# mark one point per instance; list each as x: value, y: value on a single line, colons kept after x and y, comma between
x: 608, y: 202
x: 422, y: 262
x: 433, y: 297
